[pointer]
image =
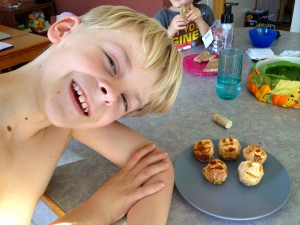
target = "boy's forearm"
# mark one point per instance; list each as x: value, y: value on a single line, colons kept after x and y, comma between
x: 87, y: 213
x: 154, y: 209
x: 170, y: 33
x: 203, y: 26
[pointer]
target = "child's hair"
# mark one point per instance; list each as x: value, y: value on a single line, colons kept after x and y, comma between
x: 163, y: 55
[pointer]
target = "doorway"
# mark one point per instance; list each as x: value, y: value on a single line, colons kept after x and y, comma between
x: 279, y: 11
x: 285, y: 14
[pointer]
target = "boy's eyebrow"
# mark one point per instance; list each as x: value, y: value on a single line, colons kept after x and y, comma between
x: 122, y: 53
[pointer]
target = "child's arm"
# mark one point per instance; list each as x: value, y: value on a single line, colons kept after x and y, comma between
x: 118, y: 143
x: 154, y: 209
x: 195, y: 15
x: 178, y: 23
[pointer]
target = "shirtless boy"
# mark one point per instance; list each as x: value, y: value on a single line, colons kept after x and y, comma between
x: 109, y: 63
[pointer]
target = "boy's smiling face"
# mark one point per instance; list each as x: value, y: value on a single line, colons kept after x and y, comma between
x: 93, y: 77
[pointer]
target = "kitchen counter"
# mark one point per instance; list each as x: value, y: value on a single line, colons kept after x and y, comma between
x: 277, y: 129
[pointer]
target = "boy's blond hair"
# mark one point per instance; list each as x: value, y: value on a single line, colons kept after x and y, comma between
x: 163, y: 55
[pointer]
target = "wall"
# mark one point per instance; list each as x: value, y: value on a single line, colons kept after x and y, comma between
x: 240, y: 11
x: 79, y: 7
x: 295, y: 26
x: 271, y: 5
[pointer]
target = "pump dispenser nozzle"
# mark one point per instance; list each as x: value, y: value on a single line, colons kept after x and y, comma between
x: 227, y: 17
x: 223, y: 30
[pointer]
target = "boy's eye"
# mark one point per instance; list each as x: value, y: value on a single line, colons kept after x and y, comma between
x: 125, y: 102
x: 112, y: 63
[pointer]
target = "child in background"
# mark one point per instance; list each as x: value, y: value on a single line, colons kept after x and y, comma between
x: 186, y: 34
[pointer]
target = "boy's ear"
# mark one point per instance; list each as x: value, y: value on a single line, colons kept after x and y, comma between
x: 61, y: 27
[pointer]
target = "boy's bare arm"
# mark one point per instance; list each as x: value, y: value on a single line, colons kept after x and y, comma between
x: 123, y: 190
x: 117, y: 143
x: 195, y: 15
x: 154, y: 209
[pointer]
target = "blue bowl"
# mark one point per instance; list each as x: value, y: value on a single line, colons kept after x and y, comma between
x: 262, y: 37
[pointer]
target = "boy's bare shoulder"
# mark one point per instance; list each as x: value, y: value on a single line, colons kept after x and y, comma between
x: 28, y: 165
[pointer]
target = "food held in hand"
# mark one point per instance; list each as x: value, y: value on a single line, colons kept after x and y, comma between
x: 215, y: 171
x: 183, y: 11
x: 204, y: 150
x: 229, y: 148
x: 250, y: 173
x: 254, y: 153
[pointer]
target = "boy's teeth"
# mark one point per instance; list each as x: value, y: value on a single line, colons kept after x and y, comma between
x: 84, y: 105
x: 79, y: 92
x: 76, y: 88
x: 81, y: 97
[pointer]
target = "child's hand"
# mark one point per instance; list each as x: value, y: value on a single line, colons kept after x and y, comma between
x: 194, y: 14
x: 129, y: 185
x: 178, y: 23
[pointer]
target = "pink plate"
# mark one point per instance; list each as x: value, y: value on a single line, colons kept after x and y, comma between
x: 194, y: 67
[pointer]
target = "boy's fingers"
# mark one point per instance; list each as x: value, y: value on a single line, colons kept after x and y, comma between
x: 150, y: 171
x: 152, y: 158
x: 138, y: 155
x: 148, y: 189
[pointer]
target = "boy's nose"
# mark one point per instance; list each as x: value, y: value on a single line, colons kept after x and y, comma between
x: 107, y: 93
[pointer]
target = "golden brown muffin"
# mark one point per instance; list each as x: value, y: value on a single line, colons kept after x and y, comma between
x: 215, y: 171
x: 204, y: 150
x: 229, y: 149
x: 250, y: 173
x: 254, y: 153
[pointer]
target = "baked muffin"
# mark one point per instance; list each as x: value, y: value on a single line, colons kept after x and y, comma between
x: 229, y: 149
x: 254, y: 153
x: 250, y: 173
x: 204, y: 150
x: 215, y: 171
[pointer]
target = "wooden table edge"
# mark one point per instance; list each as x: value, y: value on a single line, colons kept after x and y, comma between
x: 55, y: 208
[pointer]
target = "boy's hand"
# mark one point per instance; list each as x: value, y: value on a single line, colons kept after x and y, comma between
x: 178, y: 23
x: 194, y: 14
x: 128, y: 186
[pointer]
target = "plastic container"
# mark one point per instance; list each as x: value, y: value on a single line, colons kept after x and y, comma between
x: 222, y: 30
x: 262, y: 37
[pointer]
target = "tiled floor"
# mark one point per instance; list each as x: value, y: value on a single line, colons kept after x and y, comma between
x: 42, y: 215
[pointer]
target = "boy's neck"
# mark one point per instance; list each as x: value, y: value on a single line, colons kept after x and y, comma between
x: 177, y: 9
x: 20, y: 117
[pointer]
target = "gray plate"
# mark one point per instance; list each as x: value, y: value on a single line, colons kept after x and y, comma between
x: 232, y: 200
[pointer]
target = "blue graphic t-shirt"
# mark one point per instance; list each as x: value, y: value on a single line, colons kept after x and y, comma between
x: 190, y: 36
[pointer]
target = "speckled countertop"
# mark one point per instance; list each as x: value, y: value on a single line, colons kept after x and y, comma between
x: 276, y: 128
